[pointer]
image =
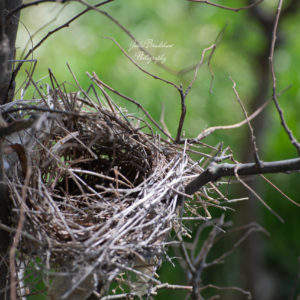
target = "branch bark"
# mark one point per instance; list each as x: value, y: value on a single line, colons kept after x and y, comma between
x: 215, y: 171
x: 9, y: 28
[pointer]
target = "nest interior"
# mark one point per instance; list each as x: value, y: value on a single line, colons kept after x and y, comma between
x: 110, y: 154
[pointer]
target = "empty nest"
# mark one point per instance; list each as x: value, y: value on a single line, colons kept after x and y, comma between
x: 99, y: 198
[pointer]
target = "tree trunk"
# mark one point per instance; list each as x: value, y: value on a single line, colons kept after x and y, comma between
x: 8, y: 33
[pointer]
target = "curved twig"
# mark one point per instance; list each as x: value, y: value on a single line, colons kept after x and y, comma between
x: 226, y: 7
x: 274, y: 95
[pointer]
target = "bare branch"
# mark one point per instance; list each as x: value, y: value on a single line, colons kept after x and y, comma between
x: 136, y: 42
x: 212, y: 47
x: 186, y: 256
x: 182, y: 115
x: 253, y: 138
x: 234, y: 288
x: 215, y: 171
x: 25, y: 5
x: 210, y: 130
x: 279, y: 190
x: 66, y: 24
x: 274, y: 96
x: 183, y: 93
x: 141, y: 68
x: 101, y: 83
x: 226, y: 7
x: 200, y: 260
x: 249, y: 229
x: 162, y: 119
x: 250, y: 189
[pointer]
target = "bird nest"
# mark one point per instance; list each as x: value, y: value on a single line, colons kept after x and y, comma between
x: 99, y: 199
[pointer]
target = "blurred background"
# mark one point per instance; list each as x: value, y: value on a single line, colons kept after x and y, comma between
x: 176, y: 32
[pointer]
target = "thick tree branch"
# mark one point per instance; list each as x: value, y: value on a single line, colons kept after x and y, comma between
x: 215, y: 171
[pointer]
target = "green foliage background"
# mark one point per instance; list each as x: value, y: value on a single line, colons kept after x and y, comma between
x: 190, y: 27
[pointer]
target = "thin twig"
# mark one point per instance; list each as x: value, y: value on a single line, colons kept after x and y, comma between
x: 274, y: 95
x: 257, y: 196
x: 279, y: 190
x: 212, y: 129
x: 182, y: 115
x: 141, y: 68
x: 25, y: 5
x: 250, y: 229
x: 136, y: 42
x: 234, y: 288
x: 186, y: 256
x: 253, y: 138
x: 226, y: 7
x: 184, y: 93
x: 66, y: 24
x: 212, y: 47
x: 101, y: 83
x: 162, y: 118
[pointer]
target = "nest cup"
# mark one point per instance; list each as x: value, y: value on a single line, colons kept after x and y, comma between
x: 100, y: 198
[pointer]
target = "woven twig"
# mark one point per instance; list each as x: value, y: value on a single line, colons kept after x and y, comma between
x: 101, y: 198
